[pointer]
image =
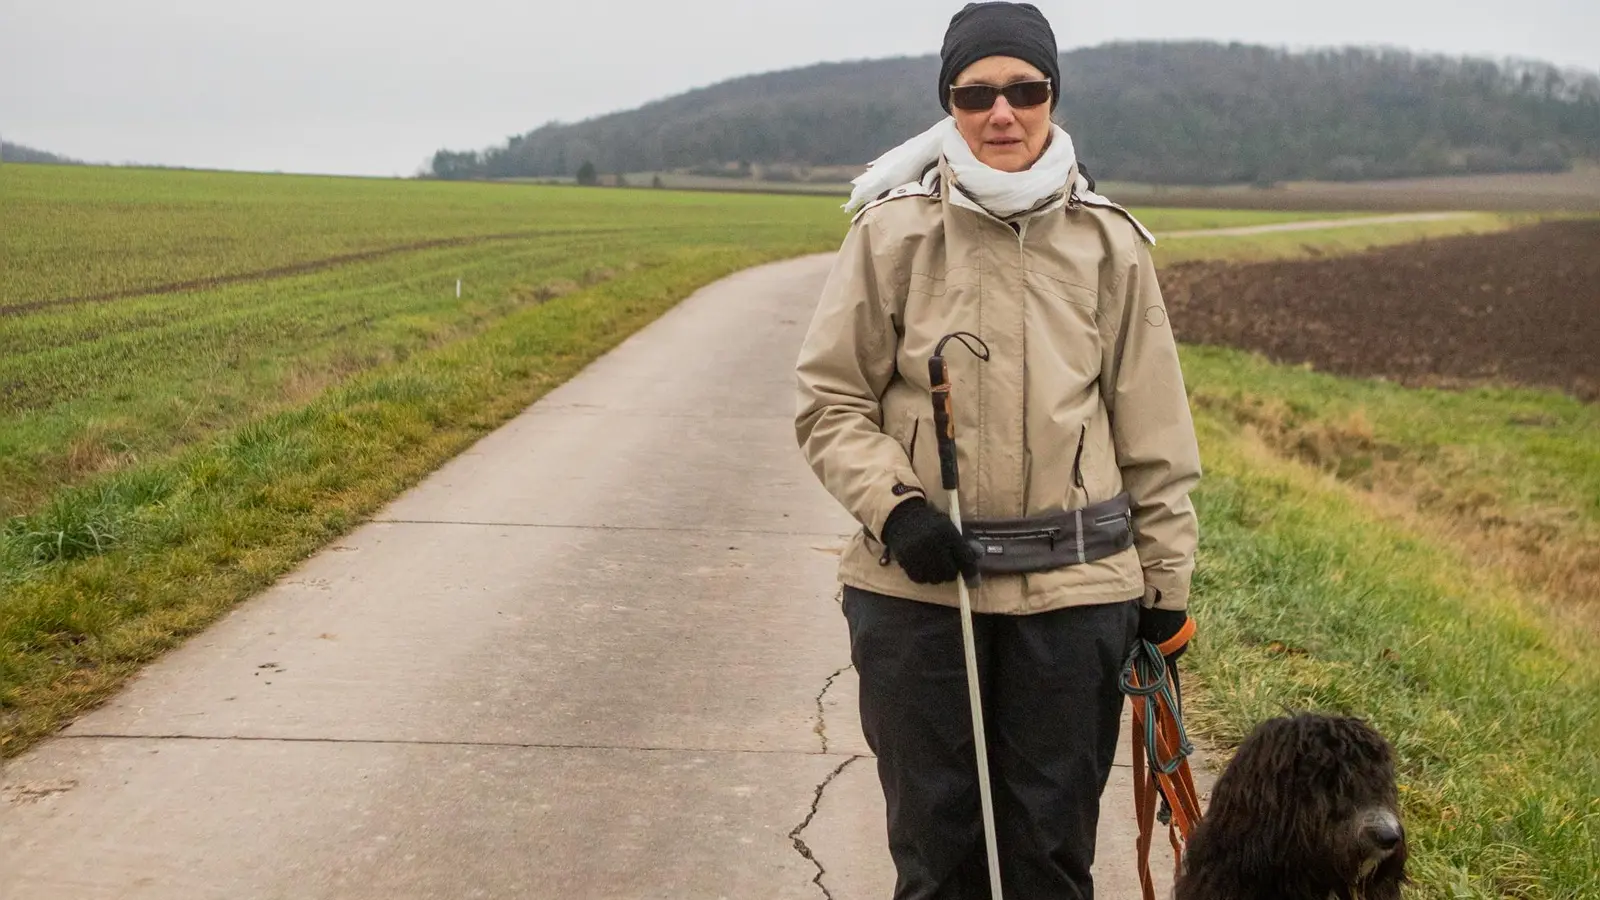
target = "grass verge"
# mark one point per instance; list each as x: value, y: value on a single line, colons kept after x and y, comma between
x: 1509, y: 475
x: 1309, y: 596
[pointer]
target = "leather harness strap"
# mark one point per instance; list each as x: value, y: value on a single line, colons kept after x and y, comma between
x: 1161, y: 770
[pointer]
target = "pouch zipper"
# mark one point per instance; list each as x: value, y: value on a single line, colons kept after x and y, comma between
x: 1020, y: 534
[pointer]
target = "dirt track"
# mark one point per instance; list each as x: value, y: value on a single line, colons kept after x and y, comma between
x: 1314, y: 225
x: 1522, y: 307
x: 284, y: 271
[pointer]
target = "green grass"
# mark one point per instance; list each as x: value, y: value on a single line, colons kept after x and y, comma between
x: 1529, y: 447
x: 1511, y: 474
x: 1309, y: 600
x: 82, y: 231
x: 1346, y: 566
x: 89, y: 388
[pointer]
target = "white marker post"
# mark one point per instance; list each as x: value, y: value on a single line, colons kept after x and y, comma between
x: 458, y: 289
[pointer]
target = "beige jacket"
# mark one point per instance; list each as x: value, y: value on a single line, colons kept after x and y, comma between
x: 1083, y: 386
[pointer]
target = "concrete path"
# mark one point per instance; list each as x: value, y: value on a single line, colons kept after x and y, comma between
x: 599, y: 655
x: 1313, y: 225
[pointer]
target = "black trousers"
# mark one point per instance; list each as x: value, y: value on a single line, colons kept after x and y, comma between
x: 1051, y: 713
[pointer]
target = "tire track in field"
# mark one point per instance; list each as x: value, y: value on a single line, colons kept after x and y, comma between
x: 290, y: 269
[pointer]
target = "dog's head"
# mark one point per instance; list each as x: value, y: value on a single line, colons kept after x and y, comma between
x: 1309, y: 808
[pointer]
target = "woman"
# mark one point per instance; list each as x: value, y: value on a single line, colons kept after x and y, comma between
x: 1077, y: 425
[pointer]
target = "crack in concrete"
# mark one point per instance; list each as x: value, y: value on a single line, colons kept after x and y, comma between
x: 799, y: 842
x: 822, y: 719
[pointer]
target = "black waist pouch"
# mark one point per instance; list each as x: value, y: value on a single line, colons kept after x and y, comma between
x: 1054, y: 539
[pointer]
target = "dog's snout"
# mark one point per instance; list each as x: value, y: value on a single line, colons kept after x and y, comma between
x: 1384, y: 830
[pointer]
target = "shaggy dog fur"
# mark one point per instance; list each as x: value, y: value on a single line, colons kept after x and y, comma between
x: 1307, y: 810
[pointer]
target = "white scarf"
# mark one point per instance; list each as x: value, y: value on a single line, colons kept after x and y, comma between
x: 1001, y: 193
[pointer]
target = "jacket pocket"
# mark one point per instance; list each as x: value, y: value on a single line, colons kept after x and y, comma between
x: 1077, y: 459
x: 1082, y: 462
x: 916, y: 438
x: 907, y: 433
x: 923, y: 455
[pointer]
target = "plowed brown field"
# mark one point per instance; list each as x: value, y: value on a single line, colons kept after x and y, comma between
x: 1519, y: 307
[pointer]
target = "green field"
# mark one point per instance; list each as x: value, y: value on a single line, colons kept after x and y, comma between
x: 88, y: 386
x: 1577, y: 190
x: 96, y: 231
x: 205, y: 377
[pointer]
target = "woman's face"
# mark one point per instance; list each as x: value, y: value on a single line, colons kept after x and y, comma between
x: 1004, y: 137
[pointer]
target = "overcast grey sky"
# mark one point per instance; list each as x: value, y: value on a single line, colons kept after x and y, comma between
x: 369, y: 87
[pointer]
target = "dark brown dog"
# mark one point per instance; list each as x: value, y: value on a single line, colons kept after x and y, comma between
x: 1307, y: 810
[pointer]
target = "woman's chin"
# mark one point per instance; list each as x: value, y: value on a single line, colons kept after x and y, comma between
x: 1006, y: 157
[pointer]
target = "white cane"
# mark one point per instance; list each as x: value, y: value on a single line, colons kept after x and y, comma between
x: 944, y: 428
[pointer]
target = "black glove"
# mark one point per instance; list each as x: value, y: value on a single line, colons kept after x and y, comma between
x: 1159, y: 625
x: 927, y: 544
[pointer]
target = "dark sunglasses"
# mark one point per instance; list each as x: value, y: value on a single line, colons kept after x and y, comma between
x: 979, y: 97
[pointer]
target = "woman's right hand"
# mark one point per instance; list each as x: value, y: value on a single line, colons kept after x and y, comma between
x: 927, y: 544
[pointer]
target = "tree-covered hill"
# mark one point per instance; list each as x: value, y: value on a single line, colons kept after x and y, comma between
x: 19, y: 153
x: 1187, y: 113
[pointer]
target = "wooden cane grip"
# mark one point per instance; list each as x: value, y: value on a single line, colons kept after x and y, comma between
x: 944, y: 422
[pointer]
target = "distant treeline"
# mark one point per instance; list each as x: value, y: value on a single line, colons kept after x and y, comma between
x: 18, y: 153
x: 1175, y: 113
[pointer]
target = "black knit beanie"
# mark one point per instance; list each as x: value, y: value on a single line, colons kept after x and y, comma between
x: 998, y: 29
